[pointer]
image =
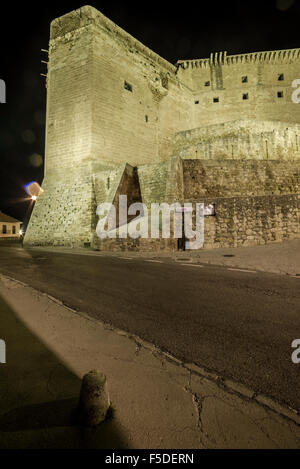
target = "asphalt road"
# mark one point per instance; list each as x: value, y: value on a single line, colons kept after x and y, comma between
x: 237, y: 324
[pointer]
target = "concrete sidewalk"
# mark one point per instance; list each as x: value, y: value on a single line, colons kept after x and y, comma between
x: 158, y: 402
x: 280, y: 258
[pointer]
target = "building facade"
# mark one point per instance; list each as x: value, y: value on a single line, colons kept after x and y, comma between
x: 122, y: 120
x: 9, y: 226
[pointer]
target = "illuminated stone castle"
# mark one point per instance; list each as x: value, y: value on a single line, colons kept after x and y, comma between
x: 122, y: 120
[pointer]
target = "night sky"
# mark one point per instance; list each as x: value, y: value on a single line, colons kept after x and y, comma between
x: 190, y: 31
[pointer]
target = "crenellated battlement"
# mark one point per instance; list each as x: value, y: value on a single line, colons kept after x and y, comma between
x: 221, y: 58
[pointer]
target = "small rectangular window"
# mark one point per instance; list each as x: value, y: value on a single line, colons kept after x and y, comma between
x: 281, y: 77
x: 4, y: 229
x: 196, y: 102
x: 127, y: 86
x: 13, y: 230
x: 245, y: 96
x: 245, y: 79
x: 280, y: 94
x: 216, y: 100
x: 207, y: 83
x: 146, y: 118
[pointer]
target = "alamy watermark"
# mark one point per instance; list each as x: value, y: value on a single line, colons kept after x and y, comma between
x: 159, y: 221
x: 296, y: 353
x: 2, y: 351
x: 2, y: 92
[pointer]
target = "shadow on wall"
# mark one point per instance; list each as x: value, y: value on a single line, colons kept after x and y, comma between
x: 39, y: 395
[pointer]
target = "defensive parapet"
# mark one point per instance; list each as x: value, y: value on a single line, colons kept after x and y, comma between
x: 255, y: 86
x: 221, y: 58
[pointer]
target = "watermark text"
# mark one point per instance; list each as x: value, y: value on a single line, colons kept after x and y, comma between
x: 2, y: 92
x: 296, y: 353
x: 2, y: 351
x: 158, y: 220
x: 296, y: 93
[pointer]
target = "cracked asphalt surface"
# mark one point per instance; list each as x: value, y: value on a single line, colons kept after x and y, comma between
x: 239, y: 325
x: 186, y: 409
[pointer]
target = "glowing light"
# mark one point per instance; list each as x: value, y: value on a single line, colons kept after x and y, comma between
x: 36, y: 160
x: 33, y: 189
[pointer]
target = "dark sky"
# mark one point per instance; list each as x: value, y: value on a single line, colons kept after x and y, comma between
x: 192, y: 30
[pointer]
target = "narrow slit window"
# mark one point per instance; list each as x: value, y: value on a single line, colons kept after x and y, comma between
x: 146, y: 118
x: 165, y: 82
x: 128, y: 86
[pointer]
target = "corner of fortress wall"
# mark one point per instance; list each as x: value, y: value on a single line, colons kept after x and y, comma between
x: 122, y: 120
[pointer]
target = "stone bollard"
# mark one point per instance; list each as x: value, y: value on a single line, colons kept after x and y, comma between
x: 94, y: 399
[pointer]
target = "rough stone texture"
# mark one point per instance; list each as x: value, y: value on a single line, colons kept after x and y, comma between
x: 250, y: 221
x: 63, y: 213
x: 122, y: 120
x: 255, y: 140
x: 229, y: 178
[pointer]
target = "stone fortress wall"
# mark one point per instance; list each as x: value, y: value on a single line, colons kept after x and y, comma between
x: 122, y: 120
x: 255, y: 86
x: 243, y: 139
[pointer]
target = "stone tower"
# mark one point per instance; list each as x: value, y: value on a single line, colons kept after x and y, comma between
x: 111, y: 101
